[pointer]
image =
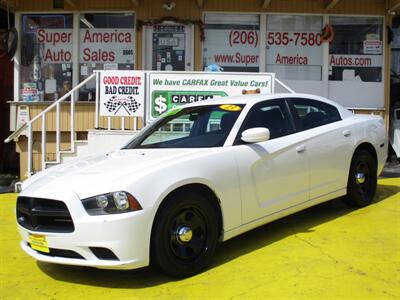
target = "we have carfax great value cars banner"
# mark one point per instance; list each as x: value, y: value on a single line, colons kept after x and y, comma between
x: 167, y: 90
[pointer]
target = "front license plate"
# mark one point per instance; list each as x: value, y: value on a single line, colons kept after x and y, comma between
x: 39, y: 243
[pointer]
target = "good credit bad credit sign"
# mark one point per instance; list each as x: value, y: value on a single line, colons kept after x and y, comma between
x: 171, y: 89
x: 122, y: 93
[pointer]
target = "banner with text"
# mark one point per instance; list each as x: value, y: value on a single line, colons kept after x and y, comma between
x: 55, y: 45
x: 96, y: 45
x: 355, y: 60
x: 294, y: 48
x: 122, y: 93
x: 231, y: 47
x: 167, y: 90
x: 107, y: 46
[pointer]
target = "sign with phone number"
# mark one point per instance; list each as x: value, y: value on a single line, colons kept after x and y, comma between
x: 294, y: 38
x: 250, y: 38
x: 283, y: 48
x: 233, y: 48
x: 294, y: 48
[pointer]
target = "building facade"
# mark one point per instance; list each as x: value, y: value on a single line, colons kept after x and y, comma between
x: 339, y: 49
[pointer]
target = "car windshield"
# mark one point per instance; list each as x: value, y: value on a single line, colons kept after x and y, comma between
x: 191, y: 127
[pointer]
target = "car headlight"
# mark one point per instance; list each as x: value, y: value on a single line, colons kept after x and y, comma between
x: 111, y: 203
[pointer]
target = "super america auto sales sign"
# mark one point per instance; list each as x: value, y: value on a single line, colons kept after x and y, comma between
x: 122, y: 93
x: 95, y: 45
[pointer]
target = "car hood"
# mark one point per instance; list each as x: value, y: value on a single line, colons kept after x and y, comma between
x: 101, y: 173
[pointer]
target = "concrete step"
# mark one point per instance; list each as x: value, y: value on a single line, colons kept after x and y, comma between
x: 81, y: 150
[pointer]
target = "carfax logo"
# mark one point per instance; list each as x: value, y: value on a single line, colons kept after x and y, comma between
x: 163, y: 101
x: 115, y: 103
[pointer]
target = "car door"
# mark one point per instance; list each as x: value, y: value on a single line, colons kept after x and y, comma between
x: 328, y: 144
x: 273, y: 174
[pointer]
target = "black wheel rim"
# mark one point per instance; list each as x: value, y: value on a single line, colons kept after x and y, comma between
x: 188, y: 234
x: 363, y: 178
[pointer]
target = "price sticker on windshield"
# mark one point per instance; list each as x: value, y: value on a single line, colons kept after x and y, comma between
x: 230, y: 107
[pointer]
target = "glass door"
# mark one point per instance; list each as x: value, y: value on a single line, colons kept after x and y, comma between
x: 168, y: 47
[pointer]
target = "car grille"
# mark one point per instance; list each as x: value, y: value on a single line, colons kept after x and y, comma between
x: 46, y: 215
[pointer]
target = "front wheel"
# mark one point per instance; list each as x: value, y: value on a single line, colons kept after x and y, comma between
x: 184, y: 235
x: 362, y: 181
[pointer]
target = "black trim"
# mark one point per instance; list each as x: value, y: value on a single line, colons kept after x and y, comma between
x: 291, y: 118
x: 44, y: 215
x: 60, y: 253
x: 103, y: 253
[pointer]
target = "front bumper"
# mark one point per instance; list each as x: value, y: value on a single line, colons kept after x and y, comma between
x: 127, y: 235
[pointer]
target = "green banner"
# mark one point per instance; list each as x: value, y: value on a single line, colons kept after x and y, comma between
x: 162, y: 101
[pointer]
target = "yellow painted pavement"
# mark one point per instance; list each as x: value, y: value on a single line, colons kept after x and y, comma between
x: 326, y: 252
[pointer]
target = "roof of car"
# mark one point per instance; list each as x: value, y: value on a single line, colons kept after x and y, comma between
x: 254, y: 98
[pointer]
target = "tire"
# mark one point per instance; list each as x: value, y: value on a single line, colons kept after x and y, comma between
x: 362, y: 181
x: 184, y: 235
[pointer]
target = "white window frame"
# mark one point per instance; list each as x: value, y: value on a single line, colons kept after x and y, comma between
x: 75, y: 43
x: 263, y: 33
x: 306, y: 85
x: 384, y: 58
x: 325, y: 67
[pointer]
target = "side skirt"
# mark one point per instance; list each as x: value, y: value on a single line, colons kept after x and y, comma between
x: 282, y: 213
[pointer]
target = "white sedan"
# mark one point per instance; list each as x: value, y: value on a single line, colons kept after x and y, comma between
x: 199, y: 175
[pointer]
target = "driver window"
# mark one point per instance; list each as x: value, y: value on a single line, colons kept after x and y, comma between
x: 269, y: 114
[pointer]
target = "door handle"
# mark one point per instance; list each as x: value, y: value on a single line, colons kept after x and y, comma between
x: 300, y: 149
x: 346, y: 132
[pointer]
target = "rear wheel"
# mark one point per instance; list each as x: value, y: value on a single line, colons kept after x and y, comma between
x: 362, y: 182
x: 184, y: 235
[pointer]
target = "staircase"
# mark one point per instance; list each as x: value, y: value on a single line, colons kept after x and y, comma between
x: 81, y: 148
x: 76, y: 147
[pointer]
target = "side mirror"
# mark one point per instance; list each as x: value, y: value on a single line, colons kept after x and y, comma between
x: 255, y: 135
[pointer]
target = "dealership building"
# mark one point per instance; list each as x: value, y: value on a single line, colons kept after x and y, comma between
x: 345, y: 50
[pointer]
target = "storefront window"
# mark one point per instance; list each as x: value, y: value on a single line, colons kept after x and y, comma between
x: 294, y: 49
x: 395, y: 64
x: 232, y: 42
x: 107, y: 42
x: 356, y: 52
x: 46, y: 56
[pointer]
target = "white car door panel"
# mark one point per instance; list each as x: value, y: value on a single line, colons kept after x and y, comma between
x: 328, y: 142
x: 273, y: 176
x: 328, y: 149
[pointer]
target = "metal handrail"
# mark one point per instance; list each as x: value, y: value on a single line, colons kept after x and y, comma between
x: 284, y: 86
x: 28, y: 126
x: 18, y: 132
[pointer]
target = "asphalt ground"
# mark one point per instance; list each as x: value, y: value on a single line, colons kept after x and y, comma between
x: 329, y: 251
